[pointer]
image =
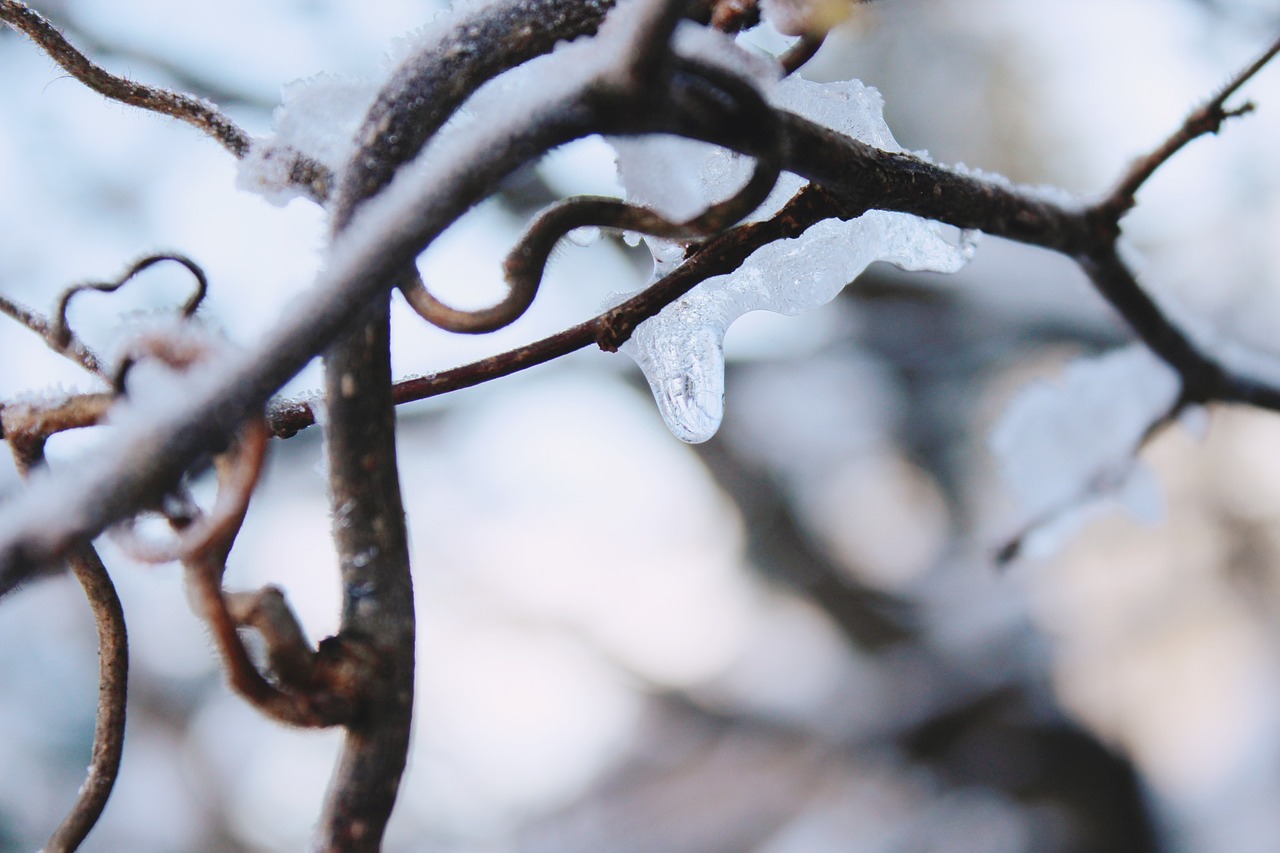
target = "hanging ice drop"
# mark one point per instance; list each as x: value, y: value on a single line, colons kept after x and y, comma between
x: 681, y: 351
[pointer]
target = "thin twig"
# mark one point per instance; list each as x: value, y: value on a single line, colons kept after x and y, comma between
x: 801, y: 52
x: 61, y: 331
x: 193, y: 111
x: 526, y: 263
x: 1204, y: 378
x: 72, y: 347
x: 113, y: 674
x: 1207, y: 118
x: 310, y: 175
x: 718, y: 256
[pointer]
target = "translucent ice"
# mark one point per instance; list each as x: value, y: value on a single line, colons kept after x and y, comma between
x: 1064, y: 444
x: 681, y: 351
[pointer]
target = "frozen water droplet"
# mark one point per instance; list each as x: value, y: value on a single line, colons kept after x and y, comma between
x: 667, y: 255
x: 687, y: 381
x: 681, y: 351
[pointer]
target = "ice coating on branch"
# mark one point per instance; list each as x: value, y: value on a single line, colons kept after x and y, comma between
x: 681, y: 351
x: 1064, y: 444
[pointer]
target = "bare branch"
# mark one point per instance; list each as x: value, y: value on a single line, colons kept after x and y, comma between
x: 1208, y: 118
x: 46, y: 417
x: 72, y: 347
x: 313, y: 177
x: 200, y: 114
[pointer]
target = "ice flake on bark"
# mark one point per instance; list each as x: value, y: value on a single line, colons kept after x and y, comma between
x: 1063, y: 445
x: 681, y: 351
x: 318, y: 117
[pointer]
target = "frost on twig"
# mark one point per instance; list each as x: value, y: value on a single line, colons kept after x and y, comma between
x: 681, y: 351
x: 317, y: 118
x: 1065, y: 446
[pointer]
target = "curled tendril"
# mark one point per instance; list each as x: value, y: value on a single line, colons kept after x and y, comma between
x: 196, y: 533
x: 60, y: 331
x: 526, y: 263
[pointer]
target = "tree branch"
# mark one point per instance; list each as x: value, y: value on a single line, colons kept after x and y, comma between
x: 369, y: 529
x: 393, y: 228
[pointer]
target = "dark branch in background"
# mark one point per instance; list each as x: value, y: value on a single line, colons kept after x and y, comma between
x: 778, y: 546
x: 113, y: 673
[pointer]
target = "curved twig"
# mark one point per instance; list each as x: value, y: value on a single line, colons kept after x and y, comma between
x: 795, y: 57
x: 113, y: 674
x: 527, y: 261
x: 198, y: 534
x: 305, y: 172
x: 109, y: 726
x: 334, y: 676
x: 60, y: 331
x: 193, y: 111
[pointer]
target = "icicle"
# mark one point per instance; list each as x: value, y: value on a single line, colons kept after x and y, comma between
x: 681, y: 351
